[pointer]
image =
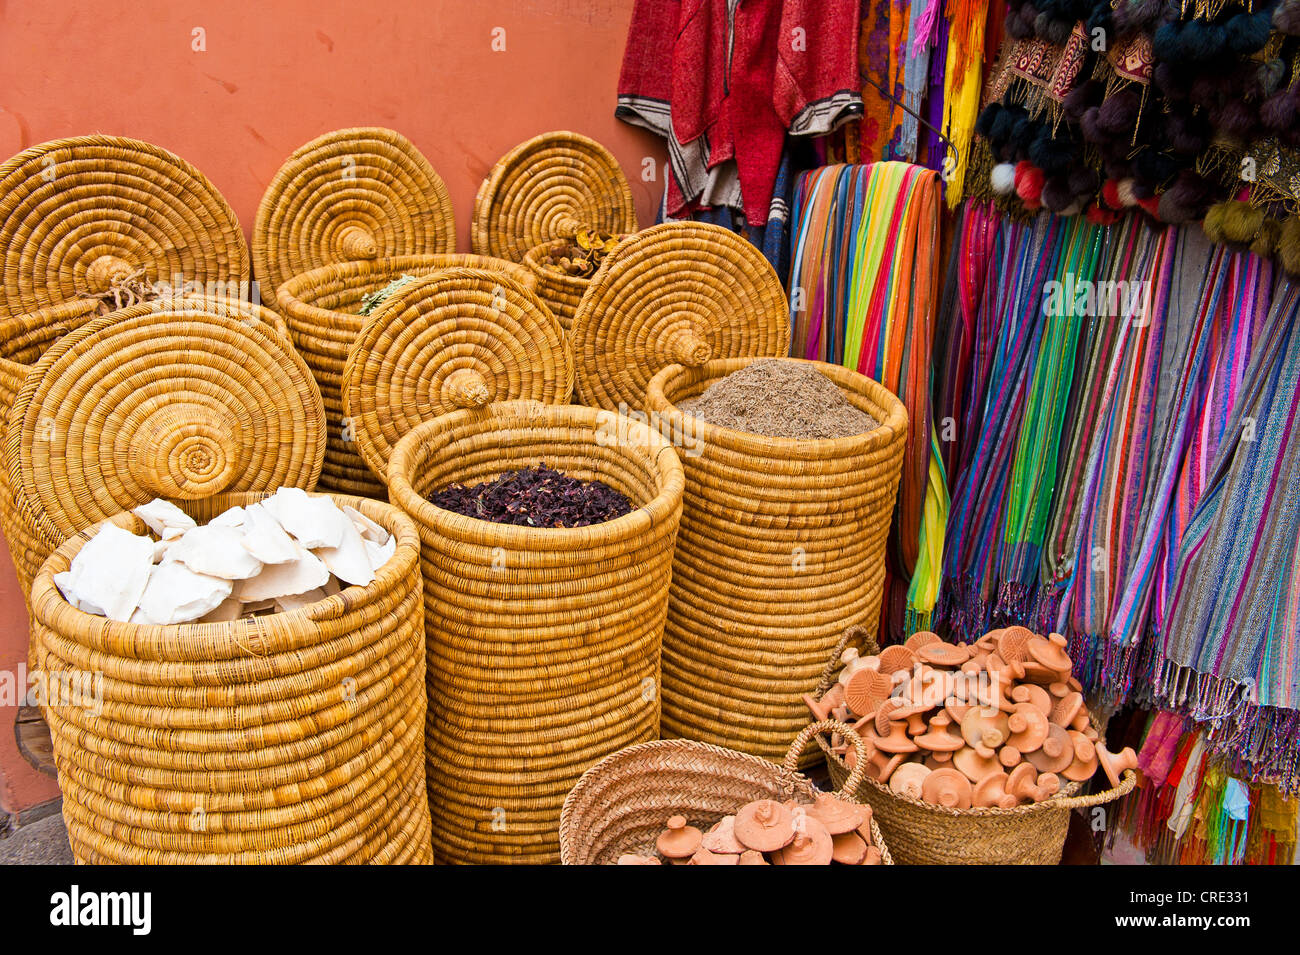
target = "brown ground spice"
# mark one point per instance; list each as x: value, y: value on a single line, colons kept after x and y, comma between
x: 780, y: 399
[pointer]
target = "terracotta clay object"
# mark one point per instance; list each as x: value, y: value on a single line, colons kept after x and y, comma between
x: 896, y: 658
x: 629, y: 858
x: 977, y: 662
x: 765, y: 825
x: 989, y: 642
x: 938, y: 760
x: 1028, y: 726
x: 848, y: 848
x: 1013, y: 644
x: 991, y: 792
x: 1091, y: 733
x: 678, y: 841
x: 882, y: 768
x: 1067, y: 708
x: 947, y: 787
x: 909, y: 779
x: 1023, y: 784
x: 703, y: 856
x: 1058, y: 689
x: 821, y: 709
x: 979, y: 726
x: 1035, y: 694
x: 974, y: 765
x: 722, y: 837
x: 750, y: 857
x: 956, y: 708
x: 897, y: 741
x: 866, y: 690
x: 921, y: 638
x: 1050, y: 652
x: 1010, y: 757
x: 939, y: 736
x: 916, y: 724
x: 837, y: 815
x: 1114, y: 764
x: 1049, y: 784
x: 812, y: 845
x: 872, y: 857
x: 943, y: 654
x: 1056, y: 753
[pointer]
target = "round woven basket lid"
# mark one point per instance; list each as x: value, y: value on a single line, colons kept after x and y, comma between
x: 457, y: 339
x: 350, y: 195
x: 678, y: 293
x: 180, y: 398
x: 546, y: 188
x: 78, y: 214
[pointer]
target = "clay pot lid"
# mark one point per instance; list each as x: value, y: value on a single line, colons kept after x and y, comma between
x: 921, y: 638
x: 848, y: 848
x: 943, y: 654
x: 1013, y: 644
x: 1114, y: 764
x: 974, y: 765
x: 866, y: 690
x: 882, y: 768
x: 678, y: 841
x: 837, y: 815
x: 1049, y: 784
x: 765, y: 825
x: 978, y: 727
x: 1050, y: 653
x: 812, y: 845
x: 909, y: 779
x: 1056, y: 753
x: 630, y: 858
x: 991, y: 791
x: 938, y: 760
x: 721, y: 838
x: 988, y: 642
x: 873, y: 857
x: 1035, y: 694
x: 1067, y: 708
x: 956, y: 709
x: 896, y: 658
x: 752, y: 857
x: 1010, y: 757
x: 703, y: 856
x: 1028, y: 726
x: 1020, y: 775
x: 939, y: 737
x: 947, y: 787
x: 897, y: 742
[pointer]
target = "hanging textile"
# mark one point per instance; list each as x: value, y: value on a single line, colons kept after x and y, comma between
x: 1230, y: 658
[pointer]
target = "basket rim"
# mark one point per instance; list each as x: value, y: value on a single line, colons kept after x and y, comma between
x: 290, y: 292
x: 404, y: 561
x: 464, y: 529
x: 532, y: 261
x: 887, y: 431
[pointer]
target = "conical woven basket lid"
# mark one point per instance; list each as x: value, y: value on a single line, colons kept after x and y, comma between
x: 180, y: 398
x: 350, y: 195
x: 78, y: 214
x: 678, y: 293
x: 457, y: 339
x: 546, y: 188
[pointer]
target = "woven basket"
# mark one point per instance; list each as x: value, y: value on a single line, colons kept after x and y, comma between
x: 781, y: 548
x: 621, y: 803
x: 350, y: 195
x: 560, y: 292
x: 678, y: 293
x: 543, y: 643
x: 294, y: 737
x: 321, y: 307
x: 456, y: 339
x: 77, y: 214
x: 925, y: 834
x: 178, y: 398
x: 546, y: 188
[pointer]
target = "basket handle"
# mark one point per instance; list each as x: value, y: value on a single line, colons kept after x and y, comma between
x: 791, y: 762
x: 465, y: 388
x: 685, y: 346
x: 1126, y: 783
x: 357, y: 242
x: 869, y: 648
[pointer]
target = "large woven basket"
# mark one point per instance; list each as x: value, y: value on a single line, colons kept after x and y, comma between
x: 294, y: 737
x: 460, y: 338
x: 351, y: 195
x: 77, y: 215
x: 781, y: 548
x: 621, y: 803
x: 560, y: 291
x: 543, y: 643
x: 546, y: 188
x: 322, y: 307
x: 677, y: 293
x: 177, y: 398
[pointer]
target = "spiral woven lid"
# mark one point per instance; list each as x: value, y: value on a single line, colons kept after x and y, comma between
x: 678, y: 293
x: 456, y: 339
x: 180, y: 398
x: 347, y: 196
x: 78, y: 214
x: 546, y: 188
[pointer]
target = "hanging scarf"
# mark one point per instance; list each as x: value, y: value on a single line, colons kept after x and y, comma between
x: 962, y: 87
x: 1231, y: 656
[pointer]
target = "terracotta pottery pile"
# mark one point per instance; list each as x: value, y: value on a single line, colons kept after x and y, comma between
x: 767, y: 832
x: 998, y: 723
